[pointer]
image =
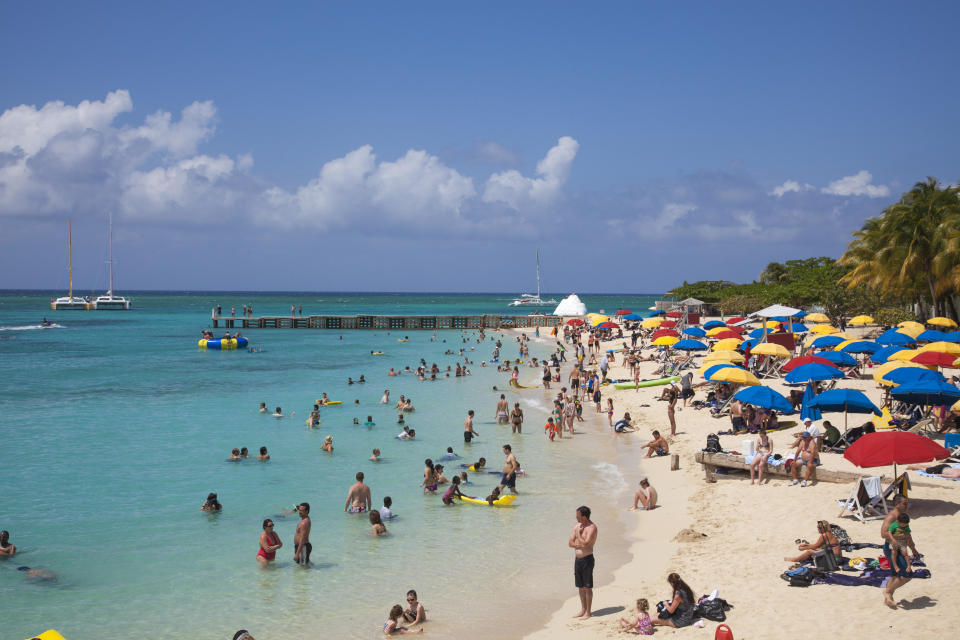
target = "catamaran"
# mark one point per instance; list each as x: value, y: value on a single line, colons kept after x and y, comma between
x: 527, y: 299
x: 70, y: 302
x: 109, y: 301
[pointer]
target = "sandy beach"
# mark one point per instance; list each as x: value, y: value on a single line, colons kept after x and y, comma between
x: 733, y: 537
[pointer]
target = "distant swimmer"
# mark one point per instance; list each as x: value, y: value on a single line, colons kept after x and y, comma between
x: 324, y: 400
x: 376, y: 456
x: 449, y: 455
x: 386, y: 396
x: 369, y: 422
x: 385, y: 512
x: 391, y: 372
x: 358, y: 497
x: 211, y: 503
x: 405, y: 434
x: 301, y: 539
x: 362, y: 379
x: 7, y: 549
x: 278, y: 413
x: 244, y: 453
x: 264, y: 456
x: 328, y: 444
x: 234, y: 455
x: 269, y: 543
x: 401, y: 403
x: 40, y: 575
x: 263, y: 407
x: 376, y: 523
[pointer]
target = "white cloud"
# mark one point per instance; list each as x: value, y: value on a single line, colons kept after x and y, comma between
x: 532, y: 194
x: 857, y: 185
x: 495, y: 153
x: 790, y: 186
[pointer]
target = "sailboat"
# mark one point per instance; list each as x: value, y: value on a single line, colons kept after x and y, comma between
x: 70, y: 302
x: 527, y: 299
x: 109, y: 301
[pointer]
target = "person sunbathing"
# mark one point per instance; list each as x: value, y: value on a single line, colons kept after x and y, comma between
x: 942, y: 470
x: 826, y: 541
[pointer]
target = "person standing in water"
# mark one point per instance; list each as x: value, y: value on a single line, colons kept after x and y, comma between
x: 508, y: 477
x: 468, y: 432
x: 516, y: 418
x: 269, y: 543
x: 358, y: 497
x: 582, y: 540
x: 301, y: 539
x: 502, y: 408
x: 6, y: 548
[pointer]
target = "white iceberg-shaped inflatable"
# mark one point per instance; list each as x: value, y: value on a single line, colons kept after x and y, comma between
x: 570, y: 306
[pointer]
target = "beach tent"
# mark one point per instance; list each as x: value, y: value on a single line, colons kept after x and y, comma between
x: 764, y: 397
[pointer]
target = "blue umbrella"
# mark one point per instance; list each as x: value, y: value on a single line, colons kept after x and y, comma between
x: 799, y: 314
x: 752, y: 342
x: 696, y: 332
x: 690, y: 345
x: 838, y: 358
x: 657, y: 313
x: 892, y: 336
x: 932, y: 335
x: 846, y: 400
x: 713, y: 324
x: 632, y: 316
x: 813, y: 372
x: 909, y: 375
x: 884, y: 354
x: 764, y: 397
x: 756, y: 334
x: 952, y: 336
x: 861, y: 346
x: 927, y: 392
x: 806, y: 409
x: 827, y: 341
x: 799, y: 327
x: 779, y: 318
x: 712, y: 370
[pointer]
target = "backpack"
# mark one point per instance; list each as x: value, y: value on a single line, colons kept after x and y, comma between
x: 713, y: 444
x: 802, y: 577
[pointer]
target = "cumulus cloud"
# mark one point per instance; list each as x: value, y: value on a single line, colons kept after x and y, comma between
x: 859, y: 184
x: 790, y: 186
x: 534, y: 194
x: 495, y: 153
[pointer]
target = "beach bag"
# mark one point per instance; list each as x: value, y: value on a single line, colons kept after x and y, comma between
x: 714, y: 610
x: 713, y: 444
x: 824, y: 560
x: 802, y: 577
x: 662, y: 612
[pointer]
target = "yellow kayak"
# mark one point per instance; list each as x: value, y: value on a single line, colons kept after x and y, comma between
x: 328, y: 402
x: 48, y: 635
x: 502, y: 501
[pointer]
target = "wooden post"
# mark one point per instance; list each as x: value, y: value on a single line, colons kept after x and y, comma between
x: 708, y: 471
x: 674, y: 462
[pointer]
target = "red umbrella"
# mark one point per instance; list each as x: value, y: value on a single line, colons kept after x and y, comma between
x: 727, y: 334
x: 735, y: 320
x: 674, y: 314
x: 608, y: 325
x: 576, y: 322
x: 893, y: 447
x: 664, y: 332
x: 623, y: 312
x: 668, y: 324
x: 796, y: 362
x: 935, y: 358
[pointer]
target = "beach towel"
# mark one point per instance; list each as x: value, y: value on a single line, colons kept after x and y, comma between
x: 873, y: 486
x: 869, y: 578
x: 933, y: 475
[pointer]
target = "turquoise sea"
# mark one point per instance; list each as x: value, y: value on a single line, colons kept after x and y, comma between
x: 115, y: 426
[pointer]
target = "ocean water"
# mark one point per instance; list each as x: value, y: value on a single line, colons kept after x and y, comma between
x: 115, y: 426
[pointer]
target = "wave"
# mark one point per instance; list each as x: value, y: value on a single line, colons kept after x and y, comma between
x: 609, y: 479
x: 31, y: 327
x: 536, y: 404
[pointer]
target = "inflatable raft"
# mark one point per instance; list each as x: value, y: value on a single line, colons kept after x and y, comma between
x: 502, y: 501
x: 223, y: 343
x: 646, y: 383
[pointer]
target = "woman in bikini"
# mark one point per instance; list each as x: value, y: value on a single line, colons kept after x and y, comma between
x: 764, y: 449
x: 826, y: 541
x: 429, y: 483
x: 269, y: 543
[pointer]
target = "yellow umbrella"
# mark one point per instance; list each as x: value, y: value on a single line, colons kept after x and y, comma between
x: 889, y: 366
x: 912, y: 331
x: 666, y: 341
x: 816, y: 317
x: 940, y: 321
x: 727, y: 344
x: 903, y: 356
x: 716, y: 330
x: 724, y: 356
x: 942, y: 347
x: 770, y: 324
x: 823, y: 329
x: 651, y: 323
x: 861, y: 320
x: 712, y: 363
x: 956, y: 406
x: 596, y: 319
x: 735, y: 376
x: 771, y: 349
x: 911, y: 325
x: 840, y: 346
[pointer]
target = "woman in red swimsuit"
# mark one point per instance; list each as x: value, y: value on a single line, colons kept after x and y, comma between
x: 269, y: 543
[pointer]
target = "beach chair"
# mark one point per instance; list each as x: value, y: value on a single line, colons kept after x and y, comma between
x: 723, y: 409
x: 833, y: 440
x: 866, y: 501
x: 924, y: 427
x: 899, y: 487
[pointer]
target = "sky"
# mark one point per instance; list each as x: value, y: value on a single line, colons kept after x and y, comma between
x: 434, y: 146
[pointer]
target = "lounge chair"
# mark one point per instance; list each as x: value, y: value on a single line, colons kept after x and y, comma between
x: 899, y: 487
x: 866, y: 501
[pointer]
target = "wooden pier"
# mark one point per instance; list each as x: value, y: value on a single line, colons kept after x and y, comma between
x: 386, y: 323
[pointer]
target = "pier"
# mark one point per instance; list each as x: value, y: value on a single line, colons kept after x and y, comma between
x: 386, y: 323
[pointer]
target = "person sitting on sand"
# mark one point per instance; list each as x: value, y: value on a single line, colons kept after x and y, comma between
x: 680, y: 607
x: 641, y: 625
x: 327, y: 444
x: 453, y: 491
x: 808, y: 455
x: 623, y: 425
x: 211, y: 503
x: 7, y: 549
x: 414, y: 613
x: 825, y: 542
x: 658, y: 446
x: 377, y: 528
x: 646, y: 495
x: 392, y: 625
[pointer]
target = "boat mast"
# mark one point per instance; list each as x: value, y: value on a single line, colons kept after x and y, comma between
x: 110, y: 292
x: 538, y: 274
x: 70, y: 257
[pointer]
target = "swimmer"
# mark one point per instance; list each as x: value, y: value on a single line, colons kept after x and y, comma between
x: 369, y: 422
x: 429, y: 483
x: 386, y: 396
x: 278, y: 413
x: 263, y: 407
x: 356, y: 421
x: 323, y: 399
x: 392, y: 625
x: 453, y: 491
x: 244, y: 453
x: 358, y: 497
x: 376, y: 456
x: 449, y: 455
x: 377, y: 527
x: 235, y: 454
x: 264, y: 456
x: 361, y: 381
x: 413, y: 434
x: 463, y: 478
x: 211, y: 503
x: 385, y: 512
x: 405, y: 434
x: 6, y: 548
x: 269, y: 543
x: 37, y: 574
x: 327, y: 444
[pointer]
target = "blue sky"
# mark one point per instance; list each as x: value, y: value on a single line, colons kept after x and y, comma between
x: 435, y: 145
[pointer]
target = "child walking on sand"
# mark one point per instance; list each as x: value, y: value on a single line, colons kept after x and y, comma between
x: 641, y: 625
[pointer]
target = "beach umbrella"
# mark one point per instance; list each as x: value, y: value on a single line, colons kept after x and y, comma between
x: 623, y: 312
x: 726, y: 345
x: 713, y: 324
x: 597, y: 320
x: 904, y: 356
x: 860, y: 346
x: 690, y: 345
x: 770, y: 324
x: 817, y: 317
x: 934, y: 358
x: 927, y: 392
x: 955, y: 406
x: 838, y: 358
x: 751, y: 342
x: 728, y: 334
x: 770, y: 349
x: 608, y: 325
x: 658, y: 313
x: 724, y: 356
x: 892, y: 337
x: 666, y: 341
x: 764, y: 397
x: 659, y: 333
x: 846, y: 400
x: 632, y: 316
x: 668, y: 324
x: 674, y: 314
x: 716, y: 330
x: 824, y: 342
x: 710, y: 368
x: 931, y: 335
x: 807, y: 410
x: 790, y: 365
x: 575, y: 322
x: 813, y: 372
x: 940, y: 321
x: 696, y: 332
x: 912, y: 329
x: 906, y: 375
x: 799, y: 327
x: 881, y: 356
x: 823, y: 329
x: 952, y: 336
x: 860, y: 320
x: 735, y: 320
x: 883, y: 448
x: 942, y: 347
x: 734, y: 376
x: 650, y: 323
x: 880, y: 371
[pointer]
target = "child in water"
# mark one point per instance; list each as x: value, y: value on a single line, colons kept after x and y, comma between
x: 377, y: 526
x: 494, y: 496
x: 392, y: 625
x: 453, y: 491
x: 641, y: 625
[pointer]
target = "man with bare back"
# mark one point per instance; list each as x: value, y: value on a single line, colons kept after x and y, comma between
x: 358, y: 498
x: 301, y: 539
x: 582, y: 539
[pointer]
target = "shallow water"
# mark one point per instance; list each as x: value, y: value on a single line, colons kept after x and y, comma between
x: 116, y: 426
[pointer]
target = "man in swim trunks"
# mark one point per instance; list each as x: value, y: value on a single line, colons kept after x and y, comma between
x: 508, y: 477
x: 468, y: 432
x: 658, y: 446
x: 358, y: 497
x: 898, y: 575
x: 582, y: 540
x: 301, y: 539
x: 808, y: 456
x: 502, y: 407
